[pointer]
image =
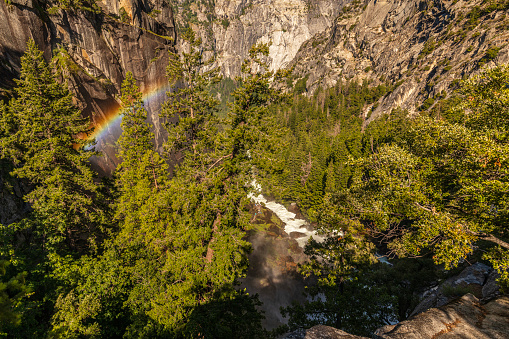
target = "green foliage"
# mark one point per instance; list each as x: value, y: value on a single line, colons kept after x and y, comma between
x: 84, y: 5
x: 190, y: 102
x: 443, y: 187
x: 322, y: 131
x: 46, y: 147
x: 168, y: 262
x: 491, y: 54
x: 427, y: 187
x: 222, y: 91
x: 45, y: 138
x: 225, y: 23
x: 427, y: 103
x: 202, y: 250
x: 11, y: 291
x: 334, y: 262
x: 456, y: 291
x: 428, y: 48
x: 136, y: 139
x: 123, y: 15
x: 154, y: 13
x: 300, y: 85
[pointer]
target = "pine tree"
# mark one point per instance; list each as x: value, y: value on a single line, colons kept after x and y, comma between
x: 48, y: 146
x: 190, y: 102
x: 45, y: 137
x: 106, y: 297
x: 212, y: 181
x: 142, y: 174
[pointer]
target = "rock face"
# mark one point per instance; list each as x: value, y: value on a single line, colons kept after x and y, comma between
x: 229, y: 28
x: 104, y: 46
x: 463, y: 318
x: 477, y: 279
x: 322, y: 332
x: 424, y: 47
x: 285, y: 23
x: 98, y: 49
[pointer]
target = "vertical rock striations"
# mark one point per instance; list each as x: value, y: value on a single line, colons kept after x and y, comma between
x: 422, y: 47
x: 99, y: 46
x: 230, y: 27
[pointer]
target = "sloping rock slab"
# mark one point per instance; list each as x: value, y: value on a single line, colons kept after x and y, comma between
x: 473, y: 277
x: 462, y: 318
x: 322, y: 332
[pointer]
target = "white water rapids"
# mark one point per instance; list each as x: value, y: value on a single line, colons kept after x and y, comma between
x: 300, y: 226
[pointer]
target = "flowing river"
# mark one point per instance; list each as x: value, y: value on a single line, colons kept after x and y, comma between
x: 298, y: 229
x: 277, y: 251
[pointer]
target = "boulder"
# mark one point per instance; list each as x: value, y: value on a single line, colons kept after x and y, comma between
x: 471, y: 279
x: 465, y: 317
x: 491, y: 288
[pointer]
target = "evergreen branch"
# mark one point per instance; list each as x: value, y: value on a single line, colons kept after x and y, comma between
x: 218, y: 160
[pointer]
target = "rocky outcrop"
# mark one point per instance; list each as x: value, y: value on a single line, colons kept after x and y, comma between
x: 423, y: 47
x: 465, y: 317
x: 478, y: 279
x: 321, y: 332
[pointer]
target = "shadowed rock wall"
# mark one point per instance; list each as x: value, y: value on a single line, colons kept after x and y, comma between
x: 99, y: 48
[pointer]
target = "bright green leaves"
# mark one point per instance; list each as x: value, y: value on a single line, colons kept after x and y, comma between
x: 486, y: 101
x: 72, y: 315
x: 442, y: 186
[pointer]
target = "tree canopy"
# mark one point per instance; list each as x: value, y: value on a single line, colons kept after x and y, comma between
x: 158, y: 250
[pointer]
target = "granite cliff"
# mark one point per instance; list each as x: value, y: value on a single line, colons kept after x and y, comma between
x: 465, y: 317
x: 421, y: 48
x: 229, y: 28
x: 98, y: 45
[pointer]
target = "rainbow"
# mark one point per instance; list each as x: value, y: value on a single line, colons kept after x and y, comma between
x: 113, y: 118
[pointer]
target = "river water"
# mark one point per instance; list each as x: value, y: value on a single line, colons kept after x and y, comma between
x: 277, y: 251
x: 298, y: 229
